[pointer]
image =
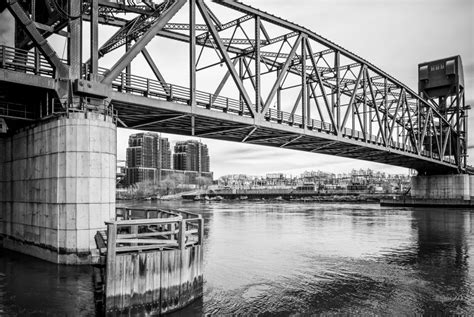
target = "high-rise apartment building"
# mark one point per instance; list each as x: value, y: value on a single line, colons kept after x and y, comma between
x: 147, y: 154
x: 191, y: 156
x: 165, y: 153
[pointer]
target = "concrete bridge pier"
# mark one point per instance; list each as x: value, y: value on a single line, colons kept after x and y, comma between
x: 449, y: 187
x: 442, y: 191
x: 57, y: 186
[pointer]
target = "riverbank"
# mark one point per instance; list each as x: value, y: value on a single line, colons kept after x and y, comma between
x: 291, y: 196
x: 175, y: 196
x: 270, y: 196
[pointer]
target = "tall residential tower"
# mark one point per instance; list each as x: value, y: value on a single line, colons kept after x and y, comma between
x: 191, y: 156
x: 147, y: 154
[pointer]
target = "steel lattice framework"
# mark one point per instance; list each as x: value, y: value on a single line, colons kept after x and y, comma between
x: 292, y: 87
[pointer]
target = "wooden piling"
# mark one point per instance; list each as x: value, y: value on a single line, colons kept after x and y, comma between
x: 148, y: 268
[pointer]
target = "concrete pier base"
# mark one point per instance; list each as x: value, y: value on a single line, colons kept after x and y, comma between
x: 443, y: 187
x: 57, y: 186
x: 438, y: 191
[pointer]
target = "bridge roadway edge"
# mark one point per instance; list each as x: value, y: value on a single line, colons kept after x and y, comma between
x: 387, y: 155
x: 57, y: 186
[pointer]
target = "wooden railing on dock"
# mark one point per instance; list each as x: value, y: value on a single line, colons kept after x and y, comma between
x: 153, y: 259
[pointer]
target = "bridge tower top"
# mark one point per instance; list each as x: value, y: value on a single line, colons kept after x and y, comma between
x: 442, y: 82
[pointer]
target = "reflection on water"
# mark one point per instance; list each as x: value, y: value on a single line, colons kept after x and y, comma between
x: 29, y: 286
x: 280, y: 258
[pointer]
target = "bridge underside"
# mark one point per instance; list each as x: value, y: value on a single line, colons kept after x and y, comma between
x: 139, y: 112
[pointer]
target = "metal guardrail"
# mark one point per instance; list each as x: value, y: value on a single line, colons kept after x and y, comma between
x: 24, y: 61
x: 138, y: 230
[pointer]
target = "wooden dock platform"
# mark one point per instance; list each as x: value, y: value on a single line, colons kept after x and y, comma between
x: 152, y: 260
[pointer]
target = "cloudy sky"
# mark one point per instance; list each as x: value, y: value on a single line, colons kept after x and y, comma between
x: 395, y: 35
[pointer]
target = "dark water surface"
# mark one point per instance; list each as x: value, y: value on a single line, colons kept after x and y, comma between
x: 283, y: 258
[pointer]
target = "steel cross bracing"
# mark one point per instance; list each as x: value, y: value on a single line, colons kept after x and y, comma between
x: 283, y: 85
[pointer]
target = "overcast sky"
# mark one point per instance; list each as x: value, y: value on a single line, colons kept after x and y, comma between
x: 394, y: 35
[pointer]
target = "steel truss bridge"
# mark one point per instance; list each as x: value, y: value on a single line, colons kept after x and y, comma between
x: 278, y: 83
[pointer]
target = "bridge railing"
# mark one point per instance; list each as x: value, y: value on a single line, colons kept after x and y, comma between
x: 24, y: 61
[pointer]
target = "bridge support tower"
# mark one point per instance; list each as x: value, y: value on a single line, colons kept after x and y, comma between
x: 57, y: 186
x: 443, y: 187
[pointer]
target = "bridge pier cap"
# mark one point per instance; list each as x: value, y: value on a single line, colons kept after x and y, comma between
x: 57, y: 186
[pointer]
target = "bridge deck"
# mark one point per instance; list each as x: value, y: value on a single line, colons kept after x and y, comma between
x: 143, y: 103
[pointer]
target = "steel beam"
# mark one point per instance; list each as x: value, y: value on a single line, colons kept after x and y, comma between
x: 227, y: 59
x: 75, y: 39
x: 155, y: 121
x: 282, y: 74
x: 321, y: 86
x: 127, y: 58
x: 351, y: 102
x: 40, y: 42
x: 192, y: 53
x: 222, y: 83
x: 220, y: 131
x: 249, y: 134
x: 94, y: 41
x: 257, y: 64
x: 304, y: 88
x: 376, y: 110
x: 291, y: 141
x: 155, y: 70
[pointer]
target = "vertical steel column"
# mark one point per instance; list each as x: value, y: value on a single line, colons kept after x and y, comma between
x: 398, y: 135
x: 241, y: 76
x: 128, y: 68
x: 418, y: 125
x: 370, y: 116
x: 192, y: 53
x: 430, y: 138
x: 458, y: 128
x: 466, y: 128
x: 257, y: 65
x: 37, y: 56
x: 388, y: 136
x: 304, y: 91
x: 405, y: 114
x: 308, y: 105
x: 337, y: 62
x: 355, y: 105
x: 74, y: 49
x: 94, y: 43
x: 364, y: 112
x: 278, y: 97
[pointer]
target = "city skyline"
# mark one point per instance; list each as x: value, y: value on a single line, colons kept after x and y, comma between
x: 397, y: 44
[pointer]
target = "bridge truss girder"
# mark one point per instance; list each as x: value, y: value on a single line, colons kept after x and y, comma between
x: 282, y: 73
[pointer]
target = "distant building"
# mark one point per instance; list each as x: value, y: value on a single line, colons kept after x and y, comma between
x: 191, y: 156
x: 147, y: 154
x: 165, y: 153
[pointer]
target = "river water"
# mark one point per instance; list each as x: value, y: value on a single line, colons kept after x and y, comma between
x: 282, y: 258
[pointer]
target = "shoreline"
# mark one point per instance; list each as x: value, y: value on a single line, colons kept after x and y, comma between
x: 270, y: 197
